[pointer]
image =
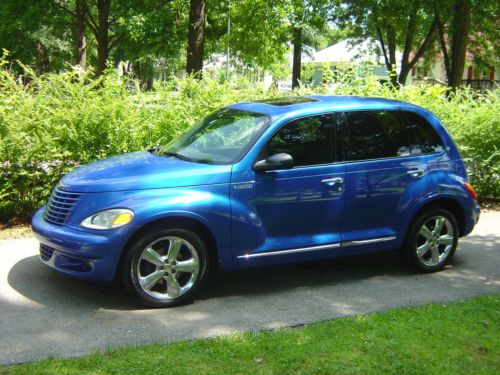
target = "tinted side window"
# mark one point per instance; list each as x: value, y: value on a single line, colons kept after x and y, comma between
x: 376, y: 134
x: 424, y: 139
x: 309, y: 140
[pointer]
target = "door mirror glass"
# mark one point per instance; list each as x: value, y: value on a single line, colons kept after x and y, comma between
x: 274, y: 162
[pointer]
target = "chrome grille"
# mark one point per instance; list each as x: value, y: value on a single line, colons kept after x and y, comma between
x: 60, y: 205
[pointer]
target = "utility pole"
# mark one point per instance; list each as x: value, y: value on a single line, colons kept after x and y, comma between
x: 228, y: 34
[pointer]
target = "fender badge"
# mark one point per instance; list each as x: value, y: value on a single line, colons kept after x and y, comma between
x: 244, y: 186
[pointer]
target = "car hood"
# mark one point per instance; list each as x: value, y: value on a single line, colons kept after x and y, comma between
x: 142, y: 170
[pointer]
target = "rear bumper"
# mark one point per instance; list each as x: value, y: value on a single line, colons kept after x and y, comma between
x: 75, y: 253
x: 471, y: 218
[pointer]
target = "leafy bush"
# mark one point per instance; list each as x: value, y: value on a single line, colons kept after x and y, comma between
x: 50, y: 124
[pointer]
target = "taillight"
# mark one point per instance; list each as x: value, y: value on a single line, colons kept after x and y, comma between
x: 471, y: 190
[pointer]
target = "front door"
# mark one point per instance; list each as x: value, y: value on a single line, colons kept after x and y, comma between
x: 295, y: 212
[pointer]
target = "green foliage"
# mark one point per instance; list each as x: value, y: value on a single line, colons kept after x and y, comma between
x: 36, y: 32
x: 455, y: 338
x: 55, y: 122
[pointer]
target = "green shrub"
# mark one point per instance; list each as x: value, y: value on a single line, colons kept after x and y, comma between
x: 50, y: 124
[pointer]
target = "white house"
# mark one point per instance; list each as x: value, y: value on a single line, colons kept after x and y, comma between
x: 362, y: 56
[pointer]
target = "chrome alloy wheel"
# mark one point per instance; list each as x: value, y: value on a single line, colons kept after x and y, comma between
x: 435, y: 241
x: 167, y: 268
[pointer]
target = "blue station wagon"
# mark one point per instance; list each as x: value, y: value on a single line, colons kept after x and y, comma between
x: 254, y: 184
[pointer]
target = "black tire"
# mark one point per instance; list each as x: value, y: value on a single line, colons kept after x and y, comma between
x: 135, y: 262
x: 415, y: 239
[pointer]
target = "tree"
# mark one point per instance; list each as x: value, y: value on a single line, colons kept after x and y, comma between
x: 304, y: 14
x: 394, y: 24
x: 81, y: 41
x: 36, y: 34
x: 83, y: 15
x: 153, y: 39
x: 467, y: 25
x: 196, y: 37
x: 258, y: 39
x: 99, y: 24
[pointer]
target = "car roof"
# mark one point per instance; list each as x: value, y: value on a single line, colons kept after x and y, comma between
x: 305, y: 105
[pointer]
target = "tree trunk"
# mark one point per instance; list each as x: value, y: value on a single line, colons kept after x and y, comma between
x: 442, y: 44
x: 102, y: 37
x: 461, y: 29
x: 42, y: 59
x: 81, y: 42
x: 297, y: 56
x: 391, y: 45
x: 410, y: 34
x: 428, y: 41
x: 196, y: 37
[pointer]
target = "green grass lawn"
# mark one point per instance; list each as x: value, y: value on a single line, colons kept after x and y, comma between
x: 452, y: 338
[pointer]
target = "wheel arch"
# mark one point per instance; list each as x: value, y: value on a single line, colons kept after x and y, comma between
x: 450, y: 204
x: 175, y: 221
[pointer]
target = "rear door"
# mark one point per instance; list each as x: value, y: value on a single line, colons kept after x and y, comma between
x: 383, y: 178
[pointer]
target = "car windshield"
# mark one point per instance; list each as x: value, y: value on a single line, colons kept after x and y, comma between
x: 221, y: 138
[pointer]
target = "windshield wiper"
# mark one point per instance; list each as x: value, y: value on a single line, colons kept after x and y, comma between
x: 177, y: 155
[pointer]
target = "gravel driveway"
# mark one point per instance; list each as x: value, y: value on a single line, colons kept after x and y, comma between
x: 43, y: 314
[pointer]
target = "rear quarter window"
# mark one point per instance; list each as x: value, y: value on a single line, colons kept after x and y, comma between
x: 424, y: 139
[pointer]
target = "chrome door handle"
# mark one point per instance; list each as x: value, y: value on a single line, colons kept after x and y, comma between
x: 333, y: 181
x: 415, y: 172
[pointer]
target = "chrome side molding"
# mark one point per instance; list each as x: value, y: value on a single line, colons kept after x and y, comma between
x: 290, y: 251
x: 371, y: 240
x: 314, y: 248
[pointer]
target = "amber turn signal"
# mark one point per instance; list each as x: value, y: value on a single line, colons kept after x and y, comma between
x: 471, y: 190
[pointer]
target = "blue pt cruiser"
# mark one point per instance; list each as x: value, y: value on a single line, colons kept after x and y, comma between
x: 253, y: 184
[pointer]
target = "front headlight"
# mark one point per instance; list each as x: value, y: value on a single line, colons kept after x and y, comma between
x: 109, y: 219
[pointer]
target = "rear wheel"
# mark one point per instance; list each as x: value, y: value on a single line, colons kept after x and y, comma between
x: 165, y: 267
x: 432, y: 240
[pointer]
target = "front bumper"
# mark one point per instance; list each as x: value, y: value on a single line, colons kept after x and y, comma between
x: 76, y: 253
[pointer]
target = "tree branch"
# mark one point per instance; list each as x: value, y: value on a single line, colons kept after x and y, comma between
x: 89, y: 20
x: 382, y: 46
x: 65, y: 8
x: 428, y: 40
x: 113, y: 41
x: 442, y: 42
x: 410, y: 33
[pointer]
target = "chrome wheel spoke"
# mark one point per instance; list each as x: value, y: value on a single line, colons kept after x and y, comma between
x: 425, y: 232
x: 173, y: 287
x: 423, y: 249
x: 445, y: 239
x: 173, y: 249
x: 191, y: 266
x: 435, y: 255
x: 151, y: 280
x: 150, y: 255
x: 439, y: 225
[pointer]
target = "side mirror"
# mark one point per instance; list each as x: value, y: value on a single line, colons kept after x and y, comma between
x: 274, y: 162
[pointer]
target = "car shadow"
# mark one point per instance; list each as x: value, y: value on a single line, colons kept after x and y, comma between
x: 30, y: 278
x: 273, y: 279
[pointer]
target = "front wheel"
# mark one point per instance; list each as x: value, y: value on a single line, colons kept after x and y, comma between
x: 432, y: 240
x: 165, y: 267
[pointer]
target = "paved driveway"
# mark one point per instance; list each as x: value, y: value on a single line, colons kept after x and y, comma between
x: 42, y: 313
